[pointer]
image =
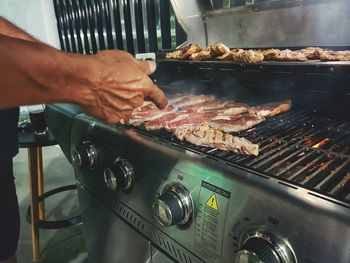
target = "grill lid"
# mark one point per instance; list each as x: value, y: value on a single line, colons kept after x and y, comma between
x: 278, y: 23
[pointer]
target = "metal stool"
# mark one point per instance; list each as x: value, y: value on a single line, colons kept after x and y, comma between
x: 36, y: 210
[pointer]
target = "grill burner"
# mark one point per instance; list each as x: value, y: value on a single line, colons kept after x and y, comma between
x: 297, y: 147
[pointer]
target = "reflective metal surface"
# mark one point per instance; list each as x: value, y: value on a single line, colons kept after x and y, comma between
x: 229, y: 202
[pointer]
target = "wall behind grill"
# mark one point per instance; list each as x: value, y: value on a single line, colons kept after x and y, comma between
x: 137, y: 26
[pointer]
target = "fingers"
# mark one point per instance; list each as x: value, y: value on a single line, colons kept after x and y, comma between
x: 157, y: 96
x: 147, y: 66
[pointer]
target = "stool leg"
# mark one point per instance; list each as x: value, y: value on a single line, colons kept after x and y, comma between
x: 33, y: 161
x: 40, y: 176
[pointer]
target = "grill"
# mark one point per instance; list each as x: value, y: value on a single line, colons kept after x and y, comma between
x: 297, y: 147
x: 171, y: 201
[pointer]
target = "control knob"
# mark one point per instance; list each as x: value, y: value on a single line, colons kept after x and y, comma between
x: 85, y: 155
x: 264, y: 247
x: 120, y: 175
x: 174, y: 206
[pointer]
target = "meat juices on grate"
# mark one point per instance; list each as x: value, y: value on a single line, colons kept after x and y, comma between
x: 271, y: 109
x: 235, y: 123
x: 204, y: 135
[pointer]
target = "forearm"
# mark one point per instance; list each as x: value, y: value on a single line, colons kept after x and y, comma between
x: 32, y: 73
x: 9, y: 29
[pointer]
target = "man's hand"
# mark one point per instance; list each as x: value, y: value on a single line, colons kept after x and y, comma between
x: 119, y: 83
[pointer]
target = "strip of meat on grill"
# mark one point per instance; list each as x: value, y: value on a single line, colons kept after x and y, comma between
x: 284, y: 55
x: 204, y: 135
x: 271, y: 109
x: 328, y: 55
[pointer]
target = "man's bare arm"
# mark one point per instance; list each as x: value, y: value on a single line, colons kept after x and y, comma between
x: 9, y: 29
x: 109, y: 85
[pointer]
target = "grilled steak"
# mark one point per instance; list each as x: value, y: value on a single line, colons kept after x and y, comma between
x: 204, y: 135
x: 235, y: 123
x: 271, y: 109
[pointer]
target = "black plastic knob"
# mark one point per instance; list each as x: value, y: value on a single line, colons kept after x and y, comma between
x: 84, y: 155
x: 120, y: 175
x: 174, y: 206
x: 262, y: 249
x: 172, y: 203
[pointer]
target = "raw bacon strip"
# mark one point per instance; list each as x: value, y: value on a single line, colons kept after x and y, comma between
x: 139, y: 116
x: 191, y: 100
x: 204, y: 135
x: 187, y: 120
x: 160, y: 123
x: 234, y: 108
x: 207, y: 106
x: 235, y: 123
x: 271, y: 109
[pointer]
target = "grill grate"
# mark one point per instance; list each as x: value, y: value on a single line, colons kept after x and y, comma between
x: 298, y: 147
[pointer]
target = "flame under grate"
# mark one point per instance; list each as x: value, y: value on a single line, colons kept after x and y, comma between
x: 298, y: 147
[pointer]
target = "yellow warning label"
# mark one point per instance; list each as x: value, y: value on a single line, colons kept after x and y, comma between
x: 212, y: 203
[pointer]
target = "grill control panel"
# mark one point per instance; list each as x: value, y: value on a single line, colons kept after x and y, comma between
x: 202, y: 208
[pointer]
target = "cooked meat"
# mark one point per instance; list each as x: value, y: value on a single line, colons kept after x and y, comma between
x: 184, y: 53
x: 284, y: 55
x: 327, y: 55
x: 235, y: 123
x: 271, y: 109
x: 217, y: 49
x: 312, y: 52
x: 226, y: 56
x: 247, y: 56
x: 204, y: 135
x: 192, y: 50
x: 148, y: 112
x: 202, y: 55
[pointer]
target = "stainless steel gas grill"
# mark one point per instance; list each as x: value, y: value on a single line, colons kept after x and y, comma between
x: 146, y: 196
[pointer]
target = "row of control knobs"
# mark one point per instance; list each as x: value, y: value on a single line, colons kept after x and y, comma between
x: 174, y: 206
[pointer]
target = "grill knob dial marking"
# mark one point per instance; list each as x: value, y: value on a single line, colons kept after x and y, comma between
x: 85, y: 155
x: 120, y: 175
x: 174, y: 206
x: 264, y: 247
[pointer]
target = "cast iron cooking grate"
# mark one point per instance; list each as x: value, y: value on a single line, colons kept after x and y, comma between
x: 298, y: 147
